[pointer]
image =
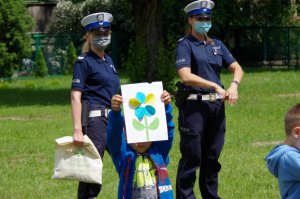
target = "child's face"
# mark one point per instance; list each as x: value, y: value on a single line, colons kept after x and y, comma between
x: 141, y: 147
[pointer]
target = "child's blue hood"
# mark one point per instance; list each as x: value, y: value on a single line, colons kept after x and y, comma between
x: 274, y: 156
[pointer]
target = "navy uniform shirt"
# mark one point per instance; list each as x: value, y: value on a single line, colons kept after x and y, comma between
x: 96, y: 78
x: 204, y: 58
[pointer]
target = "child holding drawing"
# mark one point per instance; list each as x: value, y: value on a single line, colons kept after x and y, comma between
x: 141, y: 166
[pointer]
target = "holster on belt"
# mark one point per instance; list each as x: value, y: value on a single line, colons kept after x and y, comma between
x: 181, y: 94
x: 85, y: 112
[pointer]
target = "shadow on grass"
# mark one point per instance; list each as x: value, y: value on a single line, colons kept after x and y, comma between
x: 26, y: 97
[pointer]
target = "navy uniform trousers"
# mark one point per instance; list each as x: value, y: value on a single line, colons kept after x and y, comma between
x: 96, y: 131
x: 202, y: 130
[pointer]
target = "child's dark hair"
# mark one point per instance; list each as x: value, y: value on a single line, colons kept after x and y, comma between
x: 292, y: 119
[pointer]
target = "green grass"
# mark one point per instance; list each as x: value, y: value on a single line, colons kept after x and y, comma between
x: 33, y: 112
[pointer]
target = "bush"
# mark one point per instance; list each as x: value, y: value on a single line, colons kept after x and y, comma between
x: 15, y: 22
x: 70, y: 59
x: 40, y: 67
x: 166, y: 69
x: 135, y: 63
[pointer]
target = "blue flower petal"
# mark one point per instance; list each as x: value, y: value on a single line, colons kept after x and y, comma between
x: 140, y: 112
x: 140, y: 97
x: 150, y: 110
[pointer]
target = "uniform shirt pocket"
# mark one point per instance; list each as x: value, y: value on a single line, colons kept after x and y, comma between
x: 215, y: 56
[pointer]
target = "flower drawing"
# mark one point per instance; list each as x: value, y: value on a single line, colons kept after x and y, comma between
x: 142, y: 105
x: 143, y: 108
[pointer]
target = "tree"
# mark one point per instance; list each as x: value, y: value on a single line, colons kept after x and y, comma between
x: 70, y: 59
x: 151, y: 57
x: 15, y: 22
x: 40, y: 66
x: 148, y: 30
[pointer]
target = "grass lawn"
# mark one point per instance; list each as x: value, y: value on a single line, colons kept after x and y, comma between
x: 33, y: 112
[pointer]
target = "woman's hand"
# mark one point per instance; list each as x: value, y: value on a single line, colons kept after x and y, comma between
x: 232, y: 94
x: 221, y: 91
x: 166, y: 97
x: 116, y: 102
x: 78, y: 138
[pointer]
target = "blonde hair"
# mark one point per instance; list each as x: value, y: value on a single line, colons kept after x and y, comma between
x: 86, y: 47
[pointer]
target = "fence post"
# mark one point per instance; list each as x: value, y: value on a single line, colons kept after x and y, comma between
x: 37, y: 37
x: 265, y: 43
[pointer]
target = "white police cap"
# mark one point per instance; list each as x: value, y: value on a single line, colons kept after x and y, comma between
x: 97, y: 21
x: 199, y: 7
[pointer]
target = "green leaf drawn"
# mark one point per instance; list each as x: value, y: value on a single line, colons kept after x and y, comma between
x: 137, y: 125
x: 154, y: 124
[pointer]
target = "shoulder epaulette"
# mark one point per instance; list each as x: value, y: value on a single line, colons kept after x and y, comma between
x: 181, y: 39
x: 81, y: 57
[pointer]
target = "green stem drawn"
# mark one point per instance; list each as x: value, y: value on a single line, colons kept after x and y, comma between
x: 146, y: 126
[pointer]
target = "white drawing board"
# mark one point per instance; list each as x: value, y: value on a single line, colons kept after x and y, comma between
x: 144, y: 112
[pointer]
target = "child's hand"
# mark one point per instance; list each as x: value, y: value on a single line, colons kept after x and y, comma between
x: 116, y: 102
x: 166, y: 97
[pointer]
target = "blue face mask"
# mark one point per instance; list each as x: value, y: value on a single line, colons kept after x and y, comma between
x: 202, y: 27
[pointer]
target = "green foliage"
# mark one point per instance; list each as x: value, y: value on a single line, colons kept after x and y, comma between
x: 166, y: 70
x: 274, y: 13
x: 70, y: 59
x: 15, y: 22
x: 40, y: 66
x: 135, y: 64
x: 67, y: 18
x: 68, y: 15
x: 232, y: 13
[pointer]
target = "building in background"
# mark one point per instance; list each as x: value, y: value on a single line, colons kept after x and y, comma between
x: 42, y: 12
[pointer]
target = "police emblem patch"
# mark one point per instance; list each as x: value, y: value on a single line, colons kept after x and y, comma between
x: 203, y: 4
x: 100, y: 17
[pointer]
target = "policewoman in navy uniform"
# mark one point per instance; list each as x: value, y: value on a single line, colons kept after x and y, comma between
x: 201, y: 120
x: 95, y: 81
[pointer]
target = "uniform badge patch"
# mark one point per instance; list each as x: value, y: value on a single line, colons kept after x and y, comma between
x: 77, y: 81
x: 180, y: 60
x: 114, y: 69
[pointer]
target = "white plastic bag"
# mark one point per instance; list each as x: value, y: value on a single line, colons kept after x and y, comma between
x: 72, y: 163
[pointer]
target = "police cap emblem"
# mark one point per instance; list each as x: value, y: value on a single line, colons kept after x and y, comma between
x: 100, y: 17
x: 203, y: 4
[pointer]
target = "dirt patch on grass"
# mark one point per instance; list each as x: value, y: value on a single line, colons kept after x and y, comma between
x: 14, y: 118
x: 267, y: 143
x: 26, y: 118
x: 288, y: 95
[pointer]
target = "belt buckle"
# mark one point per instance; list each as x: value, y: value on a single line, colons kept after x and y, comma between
x: 212, y: 97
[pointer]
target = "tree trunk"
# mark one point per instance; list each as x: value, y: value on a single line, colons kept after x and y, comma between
x: 148, y: 26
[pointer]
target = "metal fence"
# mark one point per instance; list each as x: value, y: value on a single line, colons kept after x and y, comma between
x: 272, y: 46
x: 54, y: 49
x: 269, y: 46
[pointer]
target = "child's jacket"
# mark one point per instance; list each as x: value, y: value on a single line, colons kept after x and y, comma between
x: 284, y: 163
x: 124, y: 157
